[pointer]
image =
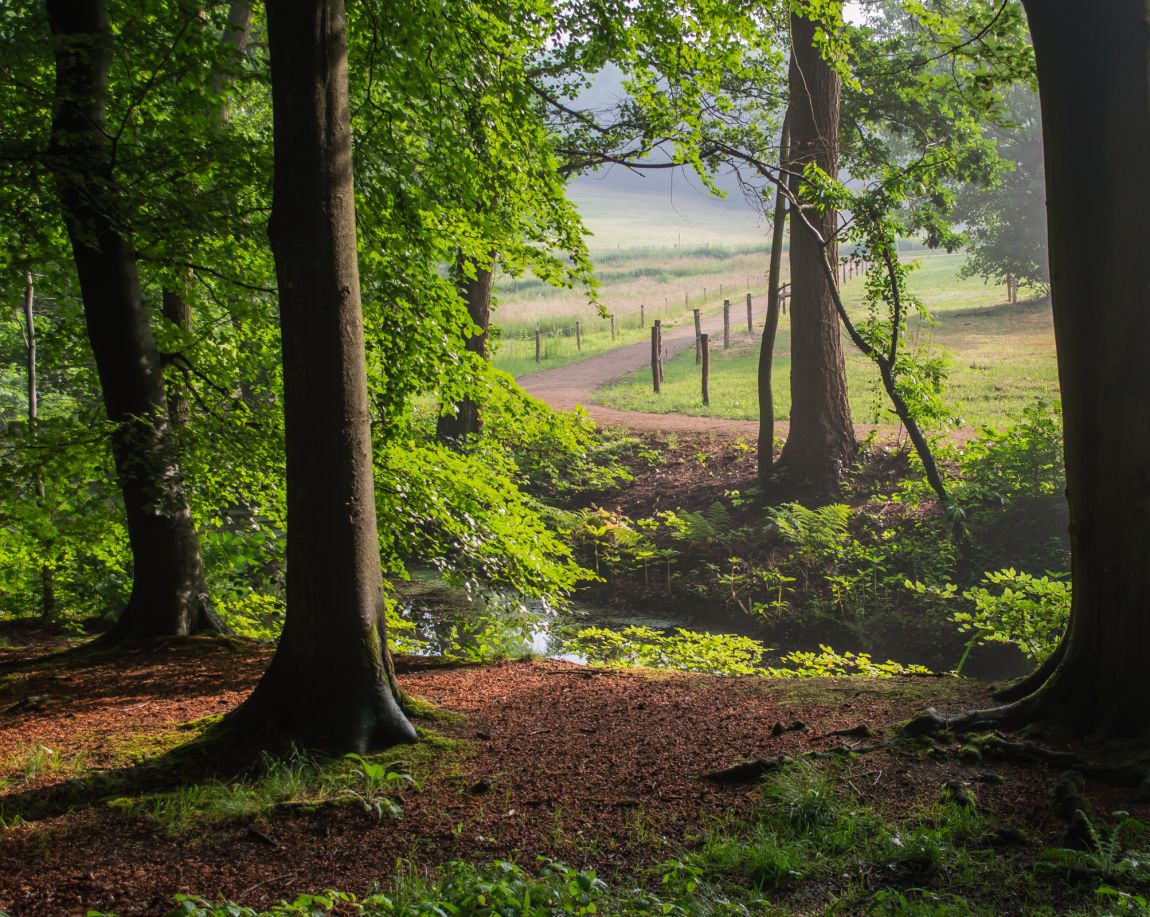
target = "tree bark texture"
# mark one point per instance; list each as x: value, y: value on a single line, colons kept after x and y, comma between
x: 476, y: 291
x: 328, y: 684
x: 821, y: 441
x: 168, y: 597
x: 766, y: 447
x: 1098, y: 195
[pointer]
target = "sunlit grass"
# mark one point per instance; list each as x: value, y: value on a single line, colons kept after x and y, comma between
x: 1001, y: 359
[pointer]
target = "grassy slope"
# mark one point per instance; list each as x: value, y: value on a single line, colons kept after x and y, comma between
x: 1002, y: 358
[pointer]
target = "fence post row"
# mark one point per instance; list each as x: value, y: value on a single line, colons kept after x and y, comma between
x: 704, y: 340
x: 698, y: 331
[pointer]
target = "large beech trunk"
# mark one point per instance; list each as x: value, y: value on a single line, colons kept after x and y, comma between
x: 1098, y: 195
x: 821, y: 441
x: 168, y: 596
x: 328, y: 684
x: 454, y: 429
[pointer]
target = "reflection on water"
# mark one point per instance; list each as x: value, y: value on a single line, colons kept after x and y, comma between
x: 495, y: 625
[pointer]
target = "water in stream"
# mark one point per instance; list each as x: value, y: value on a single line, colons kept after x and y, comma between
x: 447, y: 621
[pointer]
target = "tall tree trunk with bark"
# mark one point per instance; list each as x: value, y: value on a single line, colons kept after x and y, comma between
x: 169, y: 597
x: 328, y: 684
x: 771, y: 325
x: 47, y: 571
x: 453, y: 430
x: 821, y: 442
x: 1098, y: 195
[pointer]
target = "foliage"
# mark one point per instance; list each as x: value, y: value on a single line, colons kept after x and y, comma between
x: 1028, y: 612
x: 1006, y: 222
x: 720, y: 654
x: 297, y: 781
x: 815, y: 533
x: 503, y: 889
x: 1108, y: 855
x: 1022, y: 460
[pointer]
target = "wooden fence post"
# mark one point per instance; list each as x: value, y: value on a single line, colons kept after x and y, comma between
x: 642, y: 316
x: 538, y: 345
x: 726, y: 323
x: 612, y: 326
x: 655, y: 358
x: 659, y: 346
x: 750, y: 316
x: 579, y: 335
x: 698, y: 331
x: 705, y: 342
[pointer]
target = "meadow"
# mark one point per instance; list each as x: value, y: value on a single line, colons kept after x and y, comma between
x: 668, y: 282
x: 1001, y: 358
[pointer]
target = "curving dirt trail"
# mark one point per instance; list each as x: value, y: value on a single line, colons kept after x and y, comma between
x: 567, y: 386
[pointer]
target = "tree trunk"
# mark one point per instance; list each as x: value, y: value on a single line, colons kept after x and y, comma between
x: 168, y: 596
x: 1098, y: 195
x: 821, y: 442
x: 328, y: 683
x: 47, y: 571
x: 453, y: 430
x: 176, y: 309
x: 771, y: 324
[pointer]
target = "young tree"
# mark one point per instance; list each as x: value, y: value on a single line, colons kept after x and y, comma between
x: 169, y: 595
x: 329, y: 683
x: 821, y: 441
x: 1098, y: 194
x: 766, y: 444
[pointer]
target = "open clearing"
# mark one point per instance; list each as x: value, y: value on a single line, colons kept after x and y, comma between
x: 1001, y: 359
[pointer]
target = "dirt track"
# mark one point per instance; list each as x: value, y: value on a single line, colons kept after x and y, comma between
x: 567, y: 386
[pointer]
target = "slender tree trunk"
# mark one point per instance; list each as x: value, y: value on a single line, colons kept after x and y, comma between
x: 176, y: 309
x: 168, y: 594
x: 821, y: 442
x: 328, y: 683
x: 47, y: 572
x: 771, y: 325
x: 1098, y: 195
x: 453, y: 430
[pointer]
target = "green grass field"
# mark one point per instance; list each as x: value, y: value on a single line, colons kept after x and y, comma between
x: 669, y: 282
x: 1001, y: 359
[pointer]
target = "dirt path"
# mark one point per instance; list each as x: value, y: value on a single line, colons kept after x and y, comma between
x: 567, y: 386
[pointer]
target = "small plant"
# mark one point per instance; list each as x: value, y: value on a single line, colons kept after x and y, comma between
x: 816, y: 534
x: 1030, y: 612
x: 1108, y: 855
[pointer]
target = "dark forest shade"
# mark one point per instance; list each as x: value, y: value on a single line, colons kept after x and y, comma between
x: 168, y: 597
x: 329, y: 683
x: 820, y: 444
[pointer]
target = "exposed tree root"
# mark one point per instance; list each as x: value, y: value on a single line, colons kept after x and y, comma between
x: 932, y: 723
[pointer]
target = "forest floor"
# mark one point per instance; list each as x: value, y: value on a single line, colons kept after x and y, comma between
x: 111, y: 799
